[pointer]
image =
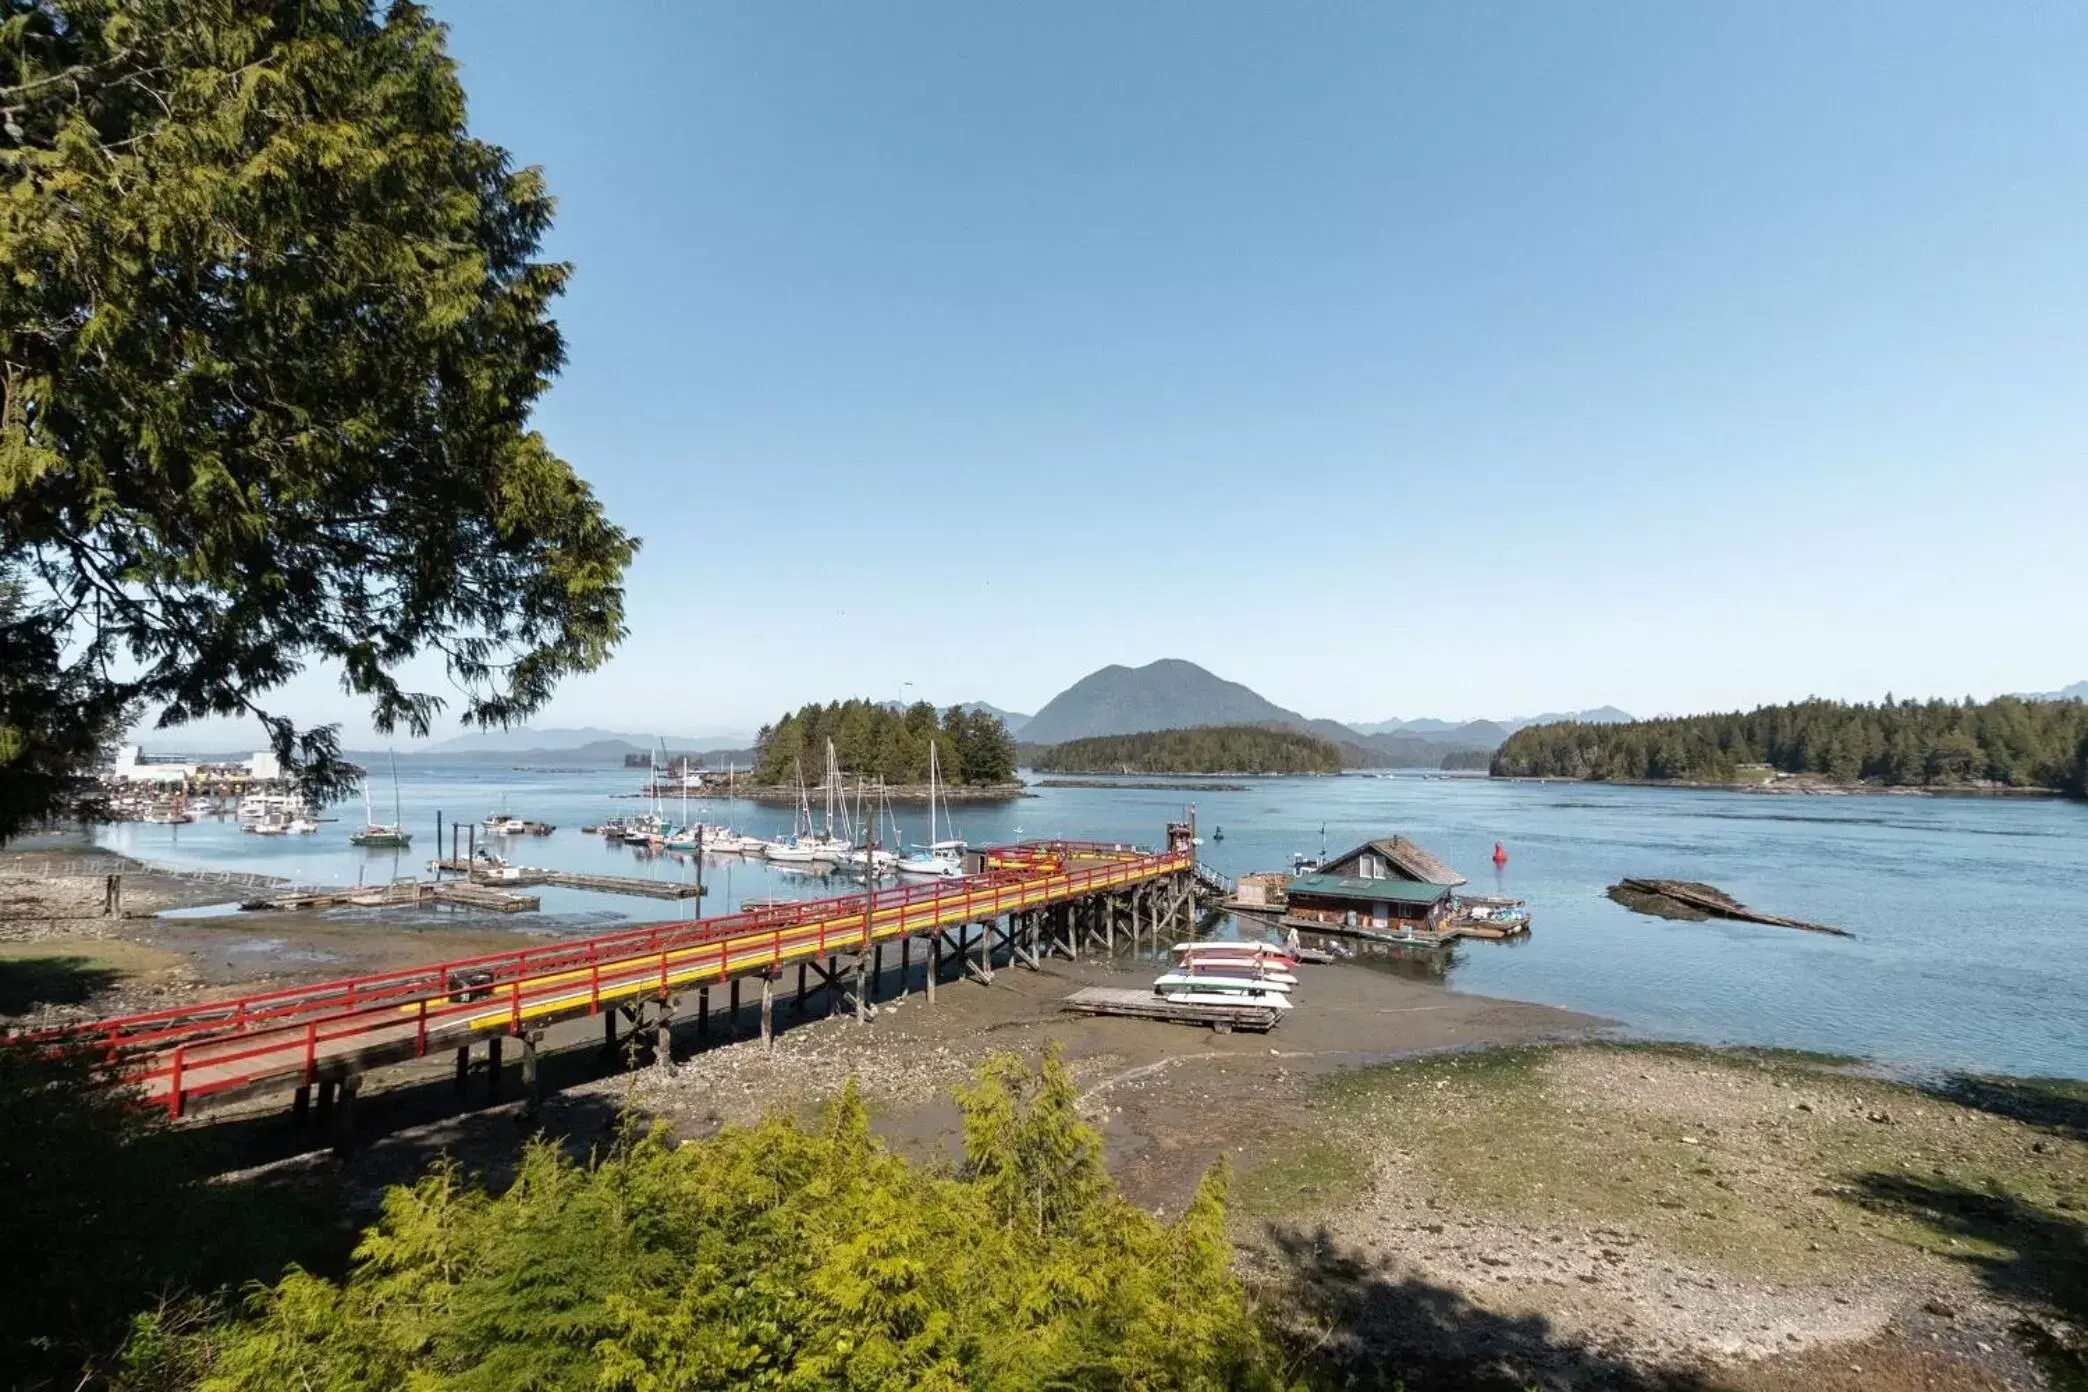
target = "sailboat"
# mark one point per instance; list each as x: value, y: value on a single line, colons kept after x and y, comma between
x: 939, y: 860
x: 806, y: 845
x: 869, y: 854
x: 374, y: 832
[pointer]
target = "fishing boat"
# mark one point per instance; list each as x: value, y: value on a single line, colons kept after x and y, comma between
x: 376, y: 833
x: 938, y: 860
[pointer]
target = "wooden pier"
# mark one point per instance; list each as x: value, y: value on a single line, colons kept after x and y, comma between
x: 1022, y: 904
x: 1147, y: 1005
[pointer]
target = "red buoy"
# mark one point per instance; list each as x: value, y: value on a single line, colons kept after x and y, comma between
x: 1500, y: 856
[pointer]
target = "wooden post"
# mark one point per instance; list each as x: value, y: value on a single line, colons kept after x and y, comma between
x: 493, y: 1069
x: 986, y: 952
x: 327, y: 1088
x: 833, y: 965
x: 663, y: 1036
x: 301, y: 1104
x: 1109, y: 913
x: 703, y: 1012
x: 112, y: 897
x: 1136, y: 894
x: 905, y: 964
x: 463, y: 1065
x: 876, y: 965
x: 935, y: 941
x: 862, y: 994
x: 801, y: 990
x: 768, y: 1012
x: 344, y: 1117
x: 609, y: 1031
x: 532, y: 1094
x: 732, y: 1031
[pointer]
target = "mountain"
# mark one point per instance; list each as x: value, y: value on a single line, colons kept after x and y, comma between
x: 1166, y: 695
x: 1488, y: 732
x: 1016, y: 721
x: 2077, y: 692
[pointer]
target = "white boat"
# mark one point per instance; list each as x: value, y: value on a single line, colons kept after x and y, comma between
x: 300, y: 826
x: 1233, y: 969
x: 269, y: 824
x: 804, y: 844
x: 939, y: 860
x: 1247, y: 951
x: 1217, y: 991
x: 1243, y: 987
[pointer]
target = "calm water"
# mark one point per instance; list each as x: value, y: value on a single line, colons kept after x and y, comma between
x: 1971, y: 915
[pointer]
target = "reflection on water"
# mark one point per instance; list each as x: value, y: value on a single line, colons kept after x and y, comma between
x: 1917, y: 881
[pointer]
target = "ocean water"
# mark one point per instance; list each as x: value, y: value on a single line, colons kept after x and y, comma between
x: 1970, y: 915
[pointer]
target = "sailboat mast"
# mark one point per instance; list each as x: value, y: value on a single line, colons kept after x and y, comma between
x: 398, y: 821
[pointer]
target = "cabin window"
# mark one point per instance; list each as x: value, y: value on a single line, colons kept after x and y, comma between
x: 1372, y: 868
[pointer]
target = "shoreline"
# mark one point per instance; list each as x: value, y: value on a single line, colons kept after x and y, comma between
x: 1796, y: 787
x: 771, y: 794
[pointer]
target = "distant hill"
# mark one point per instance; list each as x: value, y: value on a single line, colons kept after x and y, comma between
x: 522, y: 739
x: 1166, y: 695
x: 1488, y: 734
x: 2077, y: 692
x: 1239, y: 749
x: 1014, y: 721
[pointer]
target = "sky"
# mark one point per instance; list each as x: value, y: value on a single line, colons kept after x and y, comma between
x: 1394, y: 359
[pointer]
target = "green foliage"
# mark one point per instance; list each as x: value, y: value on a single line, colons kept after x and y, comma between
x: 1202, y: 749
x: 2010, y: 742
x: 877, y: 741
x: 1467, y: 759
x: 767, y: 1256
x: 271, y: 334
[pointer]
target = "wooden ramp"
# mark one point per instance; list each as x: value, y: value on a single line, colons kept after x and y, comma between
x: 1145, y: 1005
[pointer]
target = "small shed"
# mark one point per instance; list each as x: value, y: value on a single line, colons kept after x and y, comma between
x: 1262, y: 890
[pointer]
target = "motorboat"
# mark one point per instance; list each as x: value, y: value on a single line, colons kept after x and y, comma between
x: 300, y: 825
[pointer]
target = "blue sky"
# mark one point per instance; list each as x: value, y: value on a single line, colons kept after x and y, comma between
x: 1393, y: 359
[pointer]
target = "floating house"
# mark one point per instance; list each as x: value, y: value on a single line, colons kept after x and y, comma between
x: 1387, y: 886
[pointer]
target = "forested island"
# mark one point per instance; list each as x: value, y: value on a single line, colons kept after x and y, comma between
x: 1200, y: 749
x: 2003, y: 743
x: 878, y: 742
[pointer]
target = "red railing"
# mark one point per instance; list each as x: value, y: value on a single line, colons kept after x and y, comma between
x: 290, y: 1027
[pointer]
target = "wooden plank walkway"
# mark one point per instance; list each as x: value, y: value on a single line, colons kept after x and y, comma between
x: 1146, y: 1005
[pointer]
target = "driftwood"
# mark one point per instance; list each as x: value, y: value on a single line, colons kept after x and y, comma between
x: 1694, y: 902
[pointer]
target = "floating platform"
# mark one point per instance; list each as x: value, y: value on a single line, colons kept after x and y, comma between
x: 481, y: 874
x: 397, y: 894
x: 1145, y: 1005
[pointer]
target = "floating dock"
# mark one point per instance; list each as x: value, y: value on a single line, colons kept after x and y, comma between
x: 525, y: 875
x: 1145, y: 1005
x: 398, y: 894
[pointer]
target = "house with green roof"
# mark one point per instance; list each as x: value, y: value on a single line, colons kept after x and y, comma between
x: 1389, y: 885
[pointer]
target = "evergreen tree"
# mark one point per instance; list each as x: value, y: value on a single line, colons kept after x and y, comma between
x: 273, y: 327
